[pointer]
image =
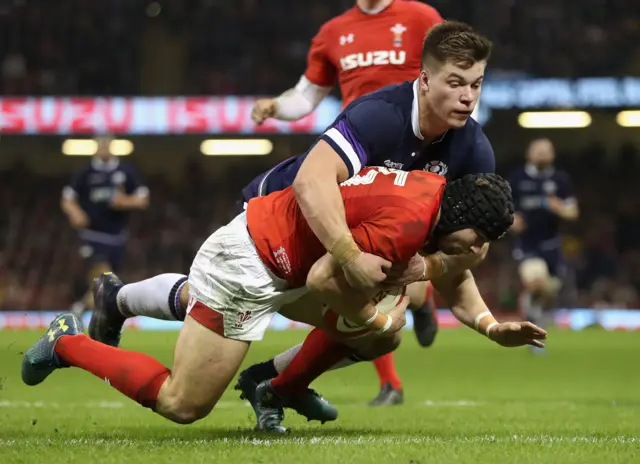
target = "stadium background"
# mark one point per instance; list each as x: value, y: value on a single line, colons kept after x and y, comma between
x: 168, y: 75
x: 546, y: 58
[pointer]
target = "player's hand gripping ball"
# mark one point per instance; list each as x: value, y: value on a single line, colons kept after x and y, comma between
x: 385, y: 302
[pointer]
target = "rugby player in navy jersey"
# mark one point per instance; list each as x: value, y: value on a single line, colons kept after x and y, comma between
x: 543, y: 198
x: 420, y: 124
x: 97, y: 203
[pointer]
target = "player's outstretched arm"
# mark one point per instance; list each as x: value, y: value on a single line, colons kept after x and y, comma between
x: 327, y: 283
x: 317, y: 190
x: 461, y: 293
x: 126, y: 202
x: 291, y: 105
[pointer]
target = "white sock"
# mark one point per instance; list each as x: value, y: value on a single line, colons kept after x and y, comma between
x: 155, y: 297
x: 282, y: 360
x: 344, y: 362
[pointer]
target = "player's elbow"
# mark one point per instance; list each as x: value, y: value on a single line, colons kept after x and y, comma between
x: 319, y: 278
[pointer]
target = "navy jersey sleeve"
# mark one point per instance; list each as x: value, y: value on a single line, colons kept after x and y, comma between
x: 364, y: 130
x: 76, y: 187
x: 481, y: 159
x: 133, y: 184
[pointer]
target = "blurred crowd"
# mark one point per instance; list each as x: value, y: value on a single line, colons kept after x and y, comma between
x: 253, y: 47
x: 41, y: 267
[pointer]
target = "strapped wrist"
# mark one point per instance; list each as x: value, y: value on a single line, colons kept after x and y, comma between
x: 345, y: 251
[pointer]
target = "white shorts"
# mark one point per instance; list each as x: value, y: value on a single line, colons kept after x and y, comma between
x: 232, y: 292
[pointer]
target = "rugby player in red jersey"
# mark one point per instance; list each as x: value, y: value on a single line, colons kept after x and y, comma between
x: 252, y: 267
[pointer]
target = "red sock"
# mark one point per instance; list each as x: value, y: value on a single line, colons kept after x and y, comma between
x: 135, y: 374
x: 319, y: 352
x: 387, y: 371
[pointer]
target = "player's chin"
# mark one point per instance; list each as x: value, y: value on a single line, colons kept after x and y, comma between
x: 458, y: 119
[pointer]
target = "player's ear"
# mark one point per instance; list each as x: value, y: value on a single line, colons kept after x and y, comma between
x: 424, y: 80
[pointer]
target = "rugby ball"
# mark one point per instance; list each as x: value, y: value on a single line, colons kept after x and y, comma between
x: 384, y: 302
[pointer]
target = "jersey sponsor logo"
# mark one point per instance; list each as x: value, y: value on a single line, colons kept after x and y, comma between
x: 375, y: 58
x: 398, y: 30
x: 100, y: 194
x: 437, y: 167
x: 393, y: 164
x: 345, y: 39
x: 549, y: 187
x: 531, y: 202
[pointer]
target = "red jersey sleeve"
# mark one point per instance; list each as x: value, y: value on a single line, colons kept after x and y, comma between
x: 320, y: 71
x: 394, y: 233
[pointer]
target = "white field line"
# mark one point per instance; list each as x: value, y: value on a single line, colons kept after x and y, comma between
x: 244, y: 404
x: 336, y: 441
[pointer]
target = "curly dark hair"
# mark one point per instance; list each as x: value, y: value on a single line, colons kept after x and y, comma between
x: 478, y: 201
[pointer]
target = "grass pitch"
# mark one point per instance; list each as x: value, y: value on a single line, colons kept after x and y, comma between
x: 466, y: 401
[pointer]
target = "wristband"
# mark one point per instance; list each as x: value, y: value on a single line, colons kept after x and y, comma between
x: 445, y: 265
x: 345, y: 250
x: 369, y: 321
x: 489, y: 327
x: 479, y: 317
x: 387, y: 325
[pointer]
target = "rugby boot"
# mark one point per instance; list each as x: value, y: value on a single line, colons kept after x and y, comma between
x: 106, y: 321
x: 308, y: 404
x: 425, y: 326
x: 388, y: 396
x: 269, y: 409
x: 40, y: 359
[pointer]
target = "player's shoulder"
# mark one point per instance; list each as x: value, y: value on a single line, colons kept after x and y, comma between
x: 337, y: 23
x: 398, y: 97
x: 420, y: 8
x: 408, y: 188
x: 390, y: 106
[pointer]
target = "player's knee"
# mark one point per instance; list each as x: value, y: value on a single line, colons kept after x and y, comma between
x: 179, y: 407
x: 182, y: 410
x: 534, y: 275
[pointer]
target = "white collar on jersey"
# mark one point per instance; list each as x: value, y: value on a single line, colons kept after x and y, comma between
x: 533, y: 171
x: 105, y: 166
x: 415, y: 115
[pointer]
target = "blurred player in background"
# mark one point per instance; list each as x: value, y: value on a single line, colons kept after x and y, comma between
x: 543, y: 198
x: 374, y: 44
x: 97, y: 203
